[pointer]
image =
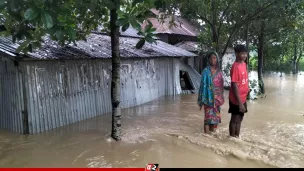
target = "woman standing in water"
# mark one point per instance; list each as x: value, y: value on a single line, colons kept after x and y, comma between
x: 211, y: 93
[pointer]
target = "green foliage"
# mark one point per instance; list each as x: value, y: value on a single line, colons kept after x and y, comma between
x: 227, y: 69
x: 71, y: 20
x: 253, y: 63
x: 31, y: 13
x: 254, y: 89
x: 284, y: 49
x: 282, y: 22
x: 226, y: 73
x: 148, y: 34
x: 301, y: 65
x: 68, y: 21
x: 218, y: 34
x: 140, y: 43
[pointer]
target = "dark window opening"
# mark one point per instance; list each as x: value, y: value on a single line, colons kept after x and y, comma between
x: 185, y: 81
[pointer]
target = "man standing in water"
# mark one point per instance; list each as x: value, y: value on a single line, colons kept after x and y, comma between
x: 238, y: 91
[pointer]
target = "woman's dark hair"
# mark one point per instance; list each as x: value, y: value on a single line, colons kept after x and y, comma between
x: 209, y: 57
x: 240, y: 48
x: 206, y: 58
x: 210, y: 54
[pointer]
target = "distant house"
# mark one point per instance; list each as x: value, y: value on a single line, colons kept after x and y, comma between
x: 181, y: 30
x: 183, y: 35
x: 55, y: 86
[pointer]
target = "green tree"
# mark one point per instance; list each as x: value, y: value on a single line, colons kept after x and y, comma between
x: 295, y: 41
x: 71, y: 20
x: 268, y: 26
x: 225, y: 23
x: 285, y: 52
x: 221, y: 19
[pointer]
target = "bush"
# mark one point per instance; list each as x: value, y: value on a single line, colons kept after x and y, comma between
x: 301, y: 65
x: 253, y: 63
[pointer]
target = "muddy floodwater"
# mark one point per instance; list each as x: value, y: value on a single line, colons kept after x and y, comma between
x: 168, y: 131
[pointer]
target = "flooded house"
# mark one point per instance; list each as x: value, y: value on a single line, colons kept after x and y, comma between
x: 56, y: 86
x: 180, y: 33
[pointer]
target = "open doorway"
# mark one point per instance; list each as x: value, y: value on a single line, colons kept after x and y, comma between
x: 186, y: 83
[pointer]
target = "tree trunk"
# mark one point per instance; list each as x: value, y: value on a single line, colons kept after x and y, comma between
x: 260, y: 58
x: 246, y: 31
x: 298, y: 59
x: 221, y: 62
x: 115, y: 84
x: 222, y: 54
x: 297, y: 67
x: 281, y: 69
x: 213, y: 28
x: 294, y: 60
x: 246, y: 38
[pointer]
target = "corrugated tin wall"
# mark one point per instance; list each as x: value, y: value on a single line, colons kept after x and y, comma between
x: 11, y: 98
x: 69, y: 91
